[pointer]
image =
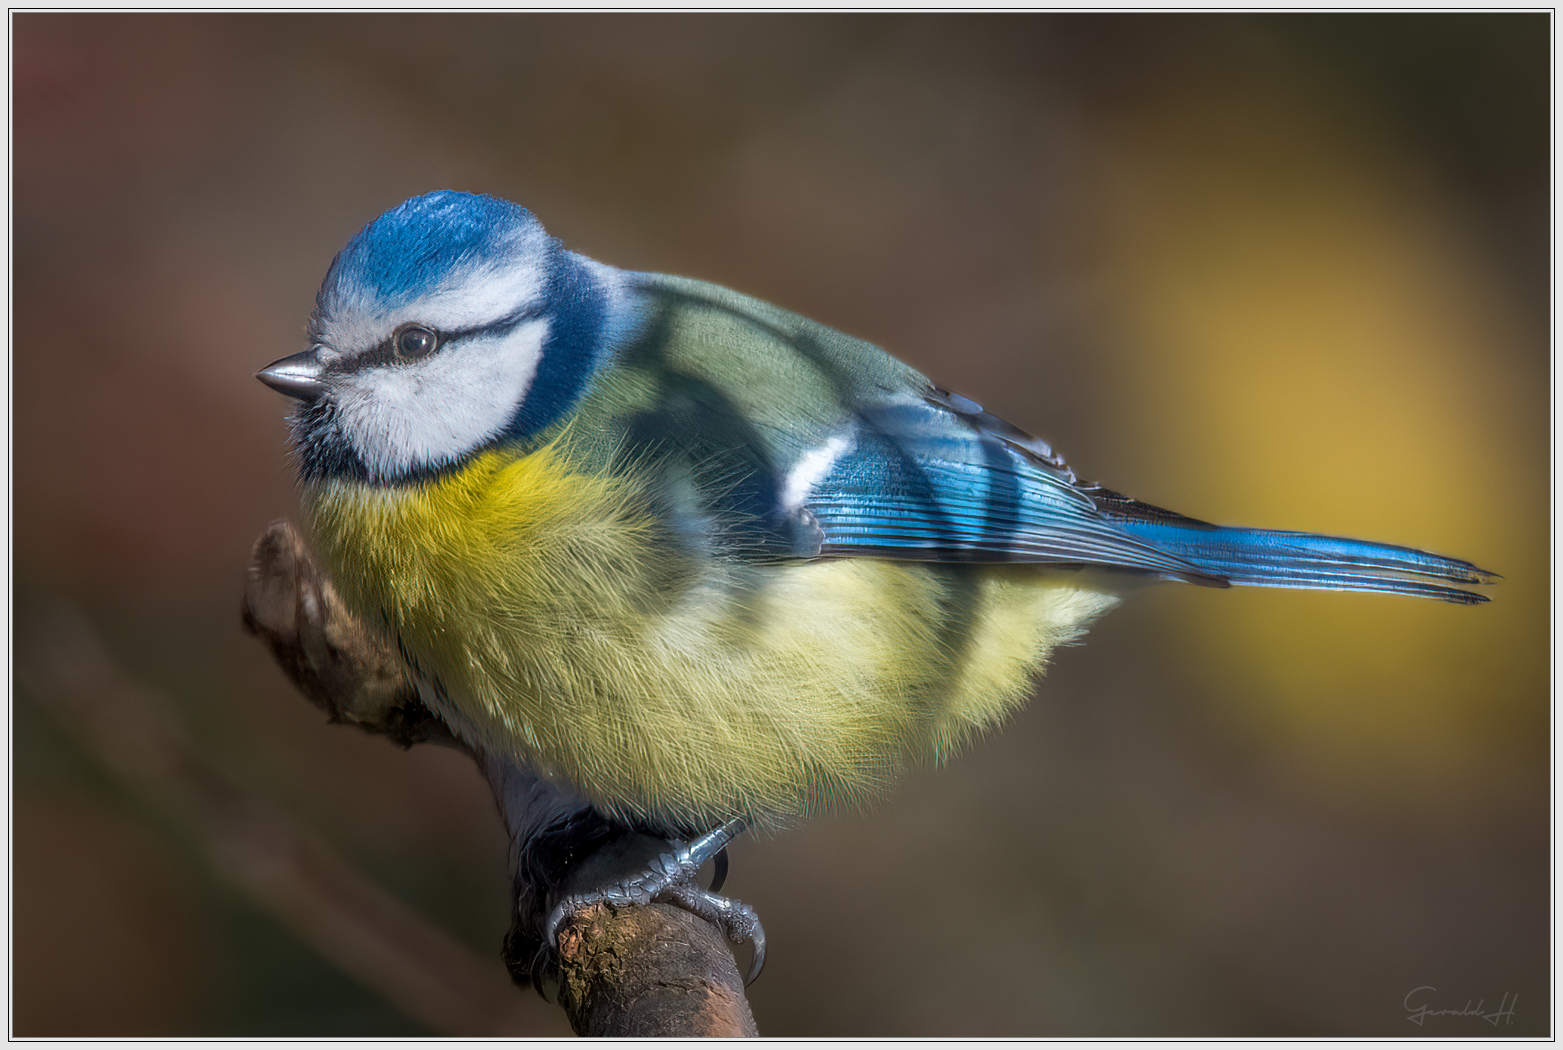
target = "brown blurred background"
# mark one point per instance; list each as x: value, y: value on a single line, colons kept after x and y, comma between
x: 1273, y: 270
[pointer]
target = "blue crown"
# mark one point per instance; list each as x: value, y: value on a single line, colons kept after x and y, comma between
x: 414, y: 246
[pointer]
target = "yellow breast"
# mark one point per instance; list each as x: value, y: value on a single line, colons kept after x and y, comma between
x: 567, y: 627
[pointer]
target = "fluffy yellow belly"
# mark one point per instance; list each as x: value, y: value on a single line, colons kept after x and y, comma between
x: 564, y: 629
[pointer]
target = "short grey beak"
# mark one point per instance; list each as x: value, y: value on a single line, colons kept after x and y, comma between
x: 297, y: 376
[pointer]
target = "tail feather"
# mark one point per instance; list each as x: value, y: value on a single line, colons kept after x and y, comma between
x: 1265, y: 558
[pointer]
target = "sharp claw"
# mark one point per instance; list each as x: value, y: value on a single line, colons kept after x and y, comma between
x: 757, y: 962
x: 554, y: 921
x: 719, y: 876
x: 537, y: 983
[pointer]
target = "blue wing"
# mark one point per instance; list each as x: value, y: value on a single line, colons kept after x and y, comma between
x: 782, y: 438
x: 932, y: 477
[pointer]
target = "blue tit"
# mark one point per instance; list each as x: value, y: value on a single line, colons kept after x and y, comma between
x: 684, y: 559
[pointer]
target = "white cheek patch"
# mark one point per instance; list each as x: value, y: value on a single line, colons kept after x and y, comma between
x: 402, y: 417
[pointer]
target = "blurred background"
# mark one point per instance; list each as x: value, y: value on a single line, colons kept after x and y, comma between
x: 1272, y: 270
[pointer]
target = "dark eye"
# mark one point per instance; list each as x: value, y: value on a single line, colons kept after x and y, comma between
x: 414, y: 342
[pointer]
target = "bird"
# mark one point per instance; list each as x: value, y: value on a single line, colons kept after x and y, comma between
x: 671, y: 558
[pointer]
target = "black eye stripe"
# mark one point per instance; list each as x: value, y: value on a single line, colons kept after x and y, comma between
x: 386, y: 353
x: 502, y: 326
x: 530, y: 312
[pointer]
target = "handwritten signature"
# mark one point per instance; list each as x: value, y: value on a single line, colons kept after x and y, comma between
x: 1420, y: 1013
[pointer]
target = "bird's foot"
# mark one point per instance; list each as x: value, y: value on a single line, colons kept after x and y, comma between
x: 670, y: 877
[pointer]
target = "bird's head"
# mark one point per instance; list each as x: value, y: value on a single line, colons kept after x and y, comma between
x: 449, y: 324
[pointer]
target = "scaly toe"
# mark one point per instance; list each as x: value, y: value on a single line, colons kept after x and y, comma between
x: 670, y: 876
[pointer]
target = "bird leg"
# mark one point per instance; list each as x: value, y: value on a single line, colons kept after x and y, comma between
x: 669, y: 877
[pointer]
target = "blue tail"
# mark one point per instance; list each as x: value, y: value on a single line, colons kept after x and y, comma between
x: 1263, y: 558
